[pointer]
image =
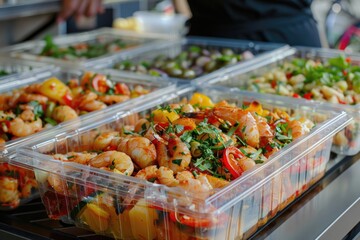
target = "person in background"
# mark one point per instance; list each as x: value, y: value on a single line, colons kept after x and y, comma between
x: 78, y: 8
x: 278, y: 21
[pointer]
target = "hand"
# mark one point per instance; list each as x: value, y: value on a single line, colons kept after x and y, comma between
x: 79, y: 8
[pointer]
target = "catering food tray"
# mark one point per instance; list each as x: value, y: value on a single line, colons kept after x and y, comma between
x: 191, y: 58
x: 116, y: 205
x: 11, y: 69
x: 331, y: 77
x: 81, y: 48
x: 47, y: 105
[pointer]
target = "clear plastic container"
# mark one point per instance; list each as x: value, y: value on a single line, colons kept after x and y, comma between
x: 346, y: 142
x: 32, y: 50
x: 157, y: 22
x: 18, y: 186
x: 130, y: 208
x: 11, y: 68
x: 174, y: 48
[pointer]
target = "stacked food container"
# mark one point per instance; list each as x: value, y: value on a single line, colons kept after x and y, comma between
x: 144, y: 143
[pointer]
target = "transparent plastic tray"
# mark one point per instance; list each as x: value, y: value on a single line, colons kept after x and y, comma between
x: 31, y: 50
x: 16, y: 197
x: 238, y: 209
x: 173, y: 48
x: 239, y: 78
x: 11, y: 68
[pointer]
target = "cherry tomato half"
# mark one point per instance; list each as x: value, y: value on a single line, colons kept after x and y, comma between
x: 308, y: 96
x: 230, y: 161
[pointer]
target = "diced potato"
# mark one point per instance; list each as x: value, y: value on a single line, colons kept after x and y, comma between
x: 142, y: 219
x: 96, y: 217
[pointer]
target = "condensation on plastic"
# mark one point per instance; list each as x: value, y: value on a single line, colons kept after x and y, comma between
x: 173, y: 48
x: 157, y: 87
x: 31, y: 50
x: 242, y: 207
x: 239, y: 78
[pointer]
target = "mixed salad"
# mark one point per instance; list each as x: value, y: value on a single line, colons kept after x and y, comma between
x: 335, y: 81
x: 84, y: 50
x: 188, y: 64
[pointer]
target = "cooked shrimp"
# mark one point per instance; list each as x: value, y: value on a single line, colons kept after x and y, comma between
x: 162, y: 175
x: 119, y: 162
x: 201, y: 186
x: 184, y: 175
x: 92, y: 106
x: 4, y: 102
x: 88, y: 102
x: 141, y: 150
x: 111, y: 99
x: 27, y: 115
x: 28, y: 97
x: 30, y: 184
x: 247, y: 130
x: 20, y: 128
x: 106, y: 141
x: 82, y: 158
x: 297, y: 128
x: 175, y: 155
x: 166, y: 176
x: 147, y: 173
x: 142, y: 125
x: 33, y: 88
x: 263, y: 126
x: 63, y: 113
x: 87, y: 97
x: 9, y: 191
x: 57, y: 184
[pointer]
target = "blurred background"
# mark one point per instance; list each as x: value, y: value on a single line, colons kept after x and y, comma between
x: 22, y: 20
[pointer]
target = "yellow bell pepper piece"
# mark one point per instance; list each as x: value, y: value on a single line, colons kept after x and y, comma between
x: 56, y: 90
x: 161, y: 115
x: 201, y: 100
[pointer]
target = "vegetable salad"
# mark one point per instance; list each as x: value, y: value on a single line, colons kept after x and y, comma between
x: 190, y: 63
x: 83, y: 50
x: 334, y: 81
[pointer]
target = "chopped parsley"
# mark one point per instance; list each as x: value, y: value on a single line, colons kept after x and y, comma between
x: 177, y: 161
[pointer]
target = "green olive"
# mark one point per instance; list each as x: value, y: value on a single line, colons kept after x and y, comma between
x: 194, y: 149
x: 174, y: 72
x: 227, y: 51
x: 210, y: 66
x: 188, y: 73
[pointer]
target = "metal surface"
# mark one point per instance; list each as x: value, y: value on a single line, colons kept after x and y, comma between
x: 329, y: 210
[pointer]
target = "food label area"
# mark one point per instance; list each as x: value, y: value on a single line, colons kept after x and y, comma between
x: 141, y: 136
